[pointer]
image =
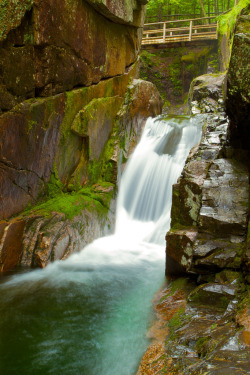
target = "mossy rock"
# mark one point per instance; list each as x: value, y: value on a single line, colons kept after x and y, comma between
x: 215, y: 296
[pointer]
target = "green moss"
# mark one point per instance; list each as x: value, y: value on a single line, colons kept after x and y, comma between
x: 203, y: 298
x: 227, y: 21
x: 54, y: 187
x: 193, y: 57
x: 244, y: 299
x: 94, y: 170
x: 11, y: 14
x: 175, y: 286
x: 71, y: 204
x: 31, y: 124
x: 201, y: 345
x: 104, y: 169
x: 178, y: 284
x: 177, y: 320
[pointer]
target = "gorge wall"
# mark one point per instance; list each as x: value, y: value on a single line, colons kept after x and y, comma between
x: 203, y: 324
x: 211, y: 197
x: 173, y: 69
x: 66, y: 117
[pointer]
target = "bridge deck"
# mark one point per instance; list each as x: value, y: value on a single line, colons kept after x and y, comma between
x: 158, y: 33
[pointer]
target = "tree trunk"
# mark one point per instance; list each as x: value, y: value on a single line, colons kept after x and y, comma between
x: 203, y: 10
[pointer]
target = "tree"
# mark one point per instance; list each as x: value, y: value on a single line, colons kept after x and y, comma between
x: 162, y: 9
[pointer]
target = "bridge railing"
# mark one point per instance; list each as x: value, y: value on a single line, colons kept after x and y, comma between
x: 179, y: 30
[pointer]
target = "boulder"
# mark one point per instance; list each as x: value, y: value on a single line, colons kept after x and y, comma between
x: 206, y: 93
x: 142, y: 100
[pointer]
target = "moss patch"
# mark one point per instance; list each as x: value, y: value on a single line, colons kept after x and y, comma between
x: 11, y: 14
x: 95, y: 198
x: 227, y: 21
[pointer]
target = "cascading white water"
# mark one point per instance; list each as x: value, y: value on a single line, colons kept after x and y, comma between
x: 145, y: 195
x: 95, y: 306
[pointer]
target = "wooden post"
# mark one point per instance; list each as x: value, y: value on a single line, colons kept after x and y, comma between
x: 190, y: 31
x: 164, y: 33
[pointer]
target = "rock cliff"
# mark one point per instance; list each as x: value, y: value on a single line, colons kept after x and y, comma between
x: 203, y: 322
x: 64, y: 71
x: 211, y: 199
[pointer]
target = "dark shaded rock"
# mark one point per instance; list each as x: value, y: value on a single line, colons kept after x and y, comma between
x: 225, y: 199
x: 202, y: 336
x: 64, y: 45
x: 187, y: 194
x: 238, y: 84
x: 212, y: 195
x: 213, y: 254
x: 11, y: 246
x: 120, y: 11
x: 180, y: 248
x: 33, y: 129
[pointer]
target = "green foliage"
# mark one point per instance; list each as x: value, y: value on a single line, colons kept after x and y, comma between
x: 175, y: 77
x: 227, y: 21
x: 148, y: 58
x: 158, y: 10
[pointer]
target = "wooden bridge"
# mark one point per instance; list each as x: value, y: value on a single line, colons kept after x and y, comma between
x: 177, y: 31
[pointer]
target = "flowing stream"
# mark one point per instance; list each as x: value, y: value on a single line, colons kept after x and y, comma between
x: 89, y: 314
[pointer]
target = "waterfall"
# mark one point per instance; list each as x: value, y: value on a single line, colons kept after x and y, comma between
x: 89, y: 314
x: 145, y: 196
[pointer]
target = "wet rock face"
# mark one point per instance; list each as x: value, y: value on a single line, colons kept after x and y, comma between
x: 238, y: 84
x: 197, y: 330
x: 120, y: 11
x: 210, y: 201
x: 42, y: 136
x: 64, y: 44
x: 80, y: 137
x: 35, y: 241
x: 134, y: 112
